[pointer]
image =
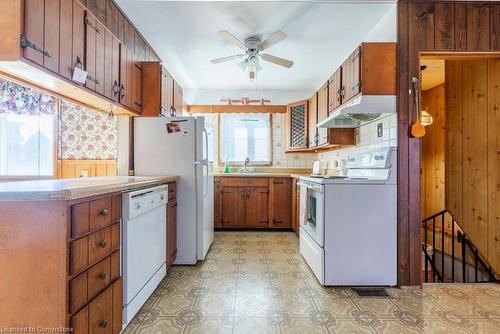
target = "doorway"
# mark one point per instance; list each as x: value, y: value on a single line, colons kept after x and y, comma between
x: 460, y: 167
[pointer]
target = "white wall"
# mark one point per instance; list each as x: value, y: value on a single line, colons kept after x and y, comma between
x: 386, y: 29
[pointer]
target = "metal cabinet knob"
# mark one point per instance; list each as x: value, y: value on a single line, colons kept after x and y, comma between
x: 102, y: 243
x: 103, y: 275
x: 104, y: 212
x: 103, y: 323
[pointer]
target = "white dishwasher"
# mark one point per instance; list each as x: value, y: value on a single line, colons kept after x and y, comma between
x: 143, y: 246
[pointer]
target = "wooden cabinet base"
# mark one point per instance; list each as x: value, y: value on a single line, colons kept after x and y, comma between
x: 252, y: 203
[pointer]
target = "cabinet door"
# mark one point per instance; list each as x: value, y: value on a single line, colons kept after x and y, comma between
x: 296, y: 206
x: 351, y: 75
x: 115, y: 71
x: 108, y: 64
x: 123, y: 95
x: 66, y: 39
x: 296, y: 126
x: 323, y: 113
x: 136, y: 86
x: 99, y: 57
x: 281, y: 202
x: 33, y: 29
x: 231, y: 205
x: 90, y: 49
x: 312, y: 120
x: 256, y: 212
x: 334, y: 86
x: 51, y: 35
x: 171, y: 231
x: 217, y: 202
x: 78, y: 49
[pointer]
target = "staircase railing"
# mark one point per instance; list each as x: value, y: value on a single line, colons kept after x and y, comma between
x: 479, y: 266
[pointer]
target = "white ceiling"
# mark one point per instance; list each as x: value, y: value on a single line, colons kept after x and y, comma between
x: 320, y: 36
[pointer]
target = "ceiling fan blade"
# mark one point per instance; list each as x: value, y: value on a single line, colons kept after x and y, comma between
x: 243, y: 65
x: 223, y: 59
x: 277, y: 60
x: 230, y: 38
x: 275, y: 38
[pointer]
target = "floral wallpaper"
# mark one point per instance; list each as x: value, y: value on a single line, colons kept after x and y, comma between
x: 19, y: 99
x: 86, y: 134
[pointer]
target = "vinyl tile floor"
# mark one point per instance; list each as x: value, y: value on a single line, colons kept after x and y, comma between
x: 257, y: 282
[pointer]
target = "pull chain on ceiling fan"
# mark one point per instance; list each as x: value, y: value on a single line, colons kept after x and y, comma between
x: 253, y: 47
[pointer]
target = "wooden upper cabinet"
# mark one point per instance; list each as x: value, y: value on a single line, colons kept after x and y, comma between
x: 123, y: 91
x: 137, y: 86
x: 334, y: 87
x: 33, y: 30
x: 100, y: 60
x: 157, y: 89
x: 78, y: 48
x: 363, y: 72
x: 351, y: 78
x: 296, y: 126
x: 281, y: 202
x: 66, y: 39
x: 91, y: 32
x: 178, y: 98
x: 322, y: 113
x: 312, y: 120
x: 111, y: 66
x: 51, y: 35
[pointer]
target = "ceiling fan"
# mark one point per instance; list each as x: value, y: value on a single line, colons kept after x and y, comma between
x: 253, y: 47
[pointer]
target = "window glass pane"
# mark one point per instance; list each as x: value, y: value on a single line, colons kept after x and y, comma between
x: 245, y: 136
x: 26, y: 144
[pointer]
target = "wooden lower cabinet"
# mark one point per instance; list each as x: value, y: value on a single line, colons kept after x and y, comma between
x: 250, y: 202
x: 296, y: 205
x: 231, y: 205
x: 280, y: 195
x: 102, y: 315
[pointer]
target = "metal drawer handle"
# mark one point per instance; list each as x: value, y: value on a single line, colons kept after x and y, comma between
x: 116, y: 88
x: 122, y: 91
x: 104, y: 212
x: 102, y: 243
x: 103, y: 275
x: 103, y: 324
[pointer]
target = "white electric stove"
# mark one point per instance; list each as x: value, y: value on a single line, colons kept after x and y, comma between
x: 348, y: 223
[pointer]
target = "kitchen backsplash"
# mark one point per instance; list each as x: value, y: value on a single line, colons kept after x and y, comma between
x: 86, y: 134
x: 367, y: 138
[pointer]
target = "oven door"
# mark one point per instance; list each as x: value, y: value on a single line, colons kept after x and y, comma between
x: 311, y: 210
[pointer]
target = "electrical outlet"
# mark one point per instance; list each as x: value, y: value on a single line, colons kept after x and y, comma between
x: 380, y: 130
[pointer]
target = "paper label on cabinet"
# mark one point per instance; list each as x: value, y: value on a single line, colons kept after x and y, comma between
x: 79, y: 75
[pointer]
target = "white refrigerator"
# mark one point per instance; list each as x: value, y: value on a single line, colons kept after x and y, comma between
x: 180, y: 146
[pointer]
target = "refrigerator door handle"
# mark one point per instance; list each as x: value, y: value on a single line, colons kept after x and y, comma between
x: 206, y: 145
x: 202, y: 162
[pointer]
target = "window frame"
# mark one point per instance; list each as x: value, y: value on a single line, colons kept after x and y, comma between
x: 242, y: 163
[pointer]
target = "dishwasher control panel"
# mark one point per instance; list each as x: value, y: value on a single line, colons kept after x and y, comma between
x: 138, y: 202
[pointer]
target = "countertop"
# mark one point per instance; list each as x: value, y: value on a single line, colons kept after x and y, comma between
x: 69, y: 189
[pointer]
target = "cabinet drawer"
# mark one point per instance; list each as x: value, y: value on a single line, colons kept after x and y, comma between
x: 102, y: 315
x: 99, y: 277
x: 90, y: 216
x: 100, y: 213
x: 172, y: 190
x: 244, y: 181
x: 88, y: 284
x: 93, y: 247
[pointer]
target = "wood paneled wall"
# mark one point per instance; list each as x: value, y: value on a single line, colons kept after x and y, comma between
x: 76, y: 168
x: 429, y: 26
x: 433, y: 153
x: 473, y: 145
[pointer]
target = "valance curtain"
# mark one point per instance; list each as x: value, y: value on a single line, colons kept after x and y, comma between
x: 22, y: 100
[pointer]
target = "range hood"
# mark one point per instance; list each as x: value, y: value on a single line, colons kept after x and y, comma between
x: 361, y: 110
